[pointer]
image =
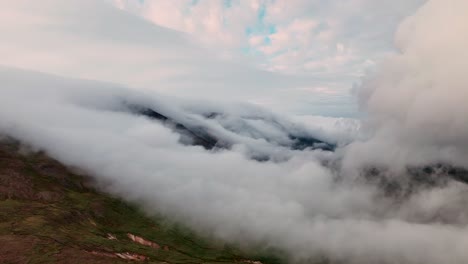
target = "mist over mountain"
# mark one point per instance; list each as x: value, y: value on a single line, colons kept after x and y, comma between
x: 388, y: 188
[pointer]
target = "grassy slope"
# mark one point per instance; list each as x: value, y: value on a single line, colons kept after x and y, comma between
x: 48, y: 215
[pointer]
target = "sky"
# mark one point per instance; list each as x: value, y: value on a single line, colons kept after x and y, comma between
x: 298, y: 57
x: 333, y: 42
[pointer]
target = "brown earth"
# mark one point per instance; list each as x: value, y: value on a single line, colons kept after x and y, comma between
x: 48, y: 214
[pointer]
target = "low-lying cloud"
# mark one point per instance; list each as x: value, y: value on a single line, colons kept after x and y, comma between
x: 416, y: 100
x: 310, y: 204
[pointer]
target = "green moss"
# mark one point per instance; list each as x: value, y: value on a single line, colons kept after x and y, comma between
x: 45, y: 253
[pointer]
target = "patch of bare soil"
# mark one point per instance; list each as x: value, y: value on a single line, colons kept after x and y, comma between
x: 13, y: 248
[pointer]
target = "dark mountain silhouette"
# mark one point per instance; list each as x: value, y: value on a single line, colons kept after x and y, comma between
x: 201, y: 136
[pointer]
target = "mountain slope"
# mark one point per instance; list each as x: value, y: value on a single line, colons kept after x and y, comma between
x: 50, y: 215
x: 262, y: 134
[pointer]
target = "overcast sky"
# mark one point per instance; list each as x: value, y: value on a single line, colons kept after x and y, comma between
x: 295, y: 56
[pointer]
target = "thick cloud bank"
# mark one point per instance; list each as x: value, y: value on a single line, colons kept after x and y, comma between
x: 417, y: 99
x: 359, y: 204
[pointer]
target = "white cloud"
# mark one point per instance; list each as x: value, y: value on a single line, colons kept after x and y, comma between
x: 318, y: 39
x: 297, y: 206
x: 415, y: 103
x: 255, y: 41
x: 301, y: 35
x: 90, y: 39
x: 416, y: 100
x: 212, y: 22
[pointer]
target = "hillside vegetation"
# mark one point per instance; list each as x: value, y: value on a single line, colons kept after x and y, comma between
x: 50, y: 215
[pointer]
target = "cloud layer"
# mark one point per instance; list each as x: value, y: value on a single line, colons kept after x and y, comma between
x: 291, y: 36
x: 311, y: 205
x: 94, y: 40
x: 415, y: 101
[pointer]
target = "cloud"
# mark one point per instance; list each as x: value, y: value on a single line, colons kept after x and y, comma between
x: 92, y: 40
x: 312, y: 205
x: 222, y: 21
x: 296, y: 206
x: 295, y: 37
x: 222, y: 194
x: 415, y: 101
x: 290, y: 26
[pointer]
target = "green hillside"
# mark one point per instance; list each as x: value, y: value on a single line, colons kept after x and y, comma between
x: 50, y: 215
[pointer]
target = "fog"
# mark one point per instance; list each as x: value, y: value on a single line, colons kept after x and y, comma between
x: 308, y: 204
x: 415, y: 100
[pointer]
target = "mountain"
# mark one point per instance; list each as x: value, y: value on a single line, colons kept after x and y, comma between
x: 49, y: 214
x: 264, y: 135
x: 242, y: 126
